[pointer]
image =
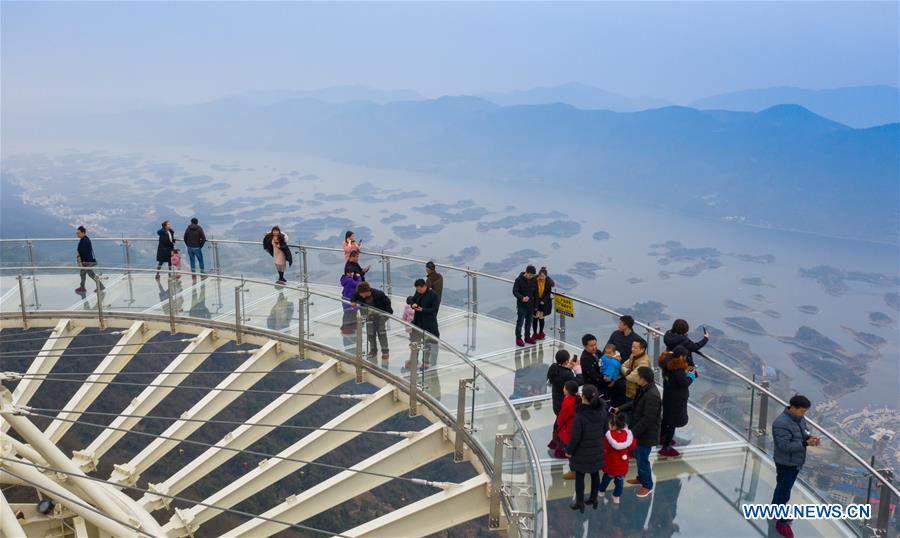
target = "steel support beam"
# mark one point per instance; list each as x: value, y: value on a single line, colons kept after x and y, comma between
x: 43, y: 363
x: 9, y: 525
x: 264, y: 359
x: 447, y: 508
x: 326, y: 378
x: 188, y: 360
x: 119, y: 356
x: 361, y: 417
x: 397, y: 460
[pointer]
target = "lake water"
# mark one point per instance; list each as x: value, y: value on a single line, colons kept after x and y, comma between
x: 122, y: 196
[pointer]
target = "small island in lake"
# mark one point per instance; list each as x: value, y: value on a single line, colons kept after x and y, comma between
x: 871, y: 341
x: 880, y: 319
x: 808, y: 309
x: 892, y: 299
x: 734, y: 305
x: 838, y: 379
x: 749, y: 325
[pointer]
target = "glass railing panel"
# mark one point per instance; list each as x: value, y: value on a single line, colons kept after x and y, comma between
x: 141, y: 253
x: 326, y: 267
x: 722, y: 396
x: 495, y: 298
x: 13, y: 253
x: 456, y: 288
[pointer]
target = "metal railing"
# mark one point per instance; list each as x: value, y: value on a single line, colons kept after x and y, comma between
x: 528, y: 520
x: 757, y: 390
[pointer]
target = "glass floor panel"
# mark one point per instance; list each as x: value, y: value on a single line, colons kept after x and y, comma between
x: 697, y: 495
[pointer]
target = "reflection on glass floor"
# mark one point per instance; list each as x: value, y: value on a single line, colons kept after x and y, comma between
x: 699, y: 494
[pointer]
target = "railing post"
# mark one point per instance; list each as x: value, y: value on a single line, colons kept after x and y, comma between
x: 387, y: 274
x: 656, y: 346
x: 414, y: 386
x: 305, y: 263
x: 100, y: 294
x: 562, y: 327
x: 216, y: 266
x: 22, y: 301
x: 358, y: 356
x: 301, y: 337
x: 884, y: 505
x: 237, y: 314
x: 171, y: 293
x: 459, y: 445
x: 30, y: 246
x: 475, y: 295
x: 497, y: 482
x: 127, y: 248
x: 763, y: 421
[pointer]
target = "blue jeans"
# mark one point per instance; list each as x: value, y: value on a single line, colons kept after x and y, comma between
x: 524, y: 314
x: 619, y: 482
x: 196, y: 252
x: 645, y: 473
x: 785, y: 475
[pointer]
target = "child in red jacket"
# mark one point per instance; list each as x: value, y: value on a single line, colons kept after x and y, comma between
x: 562, y: 428
x: 618, y: 441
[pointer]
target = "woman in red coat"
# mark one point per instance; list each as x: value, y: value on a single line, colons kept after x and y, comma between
x: 562, y: 428
x: 618, y: 441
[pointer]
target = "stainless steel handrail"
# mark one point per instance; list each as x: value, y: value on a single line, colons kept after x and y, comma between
x: 541, y: 489
x: 840, y: 444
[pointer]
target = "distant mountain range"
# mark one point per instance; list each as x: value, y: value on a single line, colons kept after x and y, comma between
x: 858, y: 106
x: 781, y: 167
x: 575, y: 94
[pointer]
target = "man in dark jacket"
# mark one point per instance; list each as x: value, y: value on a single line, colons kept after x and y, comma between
x: 791, y: 435
x: 678, y: 336
x: 623, y: 337
x: 353, y: 267
x: 194, y: 239
x: 374, y: 300
x: 85, y: 257
x: 523, y: 290
x: 590, y: 361
x: 644, y: 416
x: 425, y: 304
x: 434, y: 280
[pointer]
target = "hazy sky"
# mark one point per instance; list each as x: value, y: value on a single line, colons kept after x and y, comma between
x: 55, y: 54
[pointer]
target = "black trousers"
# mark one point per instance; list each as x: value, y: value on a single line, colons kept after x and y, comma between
x: 579, y: 486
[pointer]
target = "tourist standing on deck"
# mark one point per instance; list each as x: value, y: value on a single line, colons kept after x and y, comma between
x: 624, y: 336
x: 559, y: 373
x: 616, y: 444
x: 543, y: 302
x: 590, y: 361
x: 194, y: 239
x: 165, y: 247
x: 352, y: 265
x: 677, y: 379
x: 523, y: 290
x: 562, y: 426
x: 678, y: 336
x: 350, y: 245
x: 377, y: 304
x: 630, y: 368
x: 791, y: 435
x: 434, y: 280
x: 84, y: 255
x: 275, y: 243
x: 425, y: 305
x: 644, y: 421
x: 585, y: 447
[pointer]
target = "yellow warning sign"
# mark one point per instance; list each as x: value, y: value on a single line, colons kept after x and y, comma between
x: 564, y: 305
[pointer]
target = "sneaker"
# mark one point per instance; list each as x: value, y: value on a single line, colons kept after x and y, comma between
x: 385, y: 356
x: 644, y: 492
x: 539, y: 336
x: 569, y: 475
x: 633, y: 481
x: 81, y: 290
x: 530, y: 340
x: 157, y: 276
x: 615, y: 500
x: 520, y: 342
x: 784, y: 529
x: 372, y: 354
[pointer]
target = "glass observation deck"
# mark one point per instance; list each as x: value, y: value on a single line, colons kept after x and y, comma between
x: 726, y: 446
